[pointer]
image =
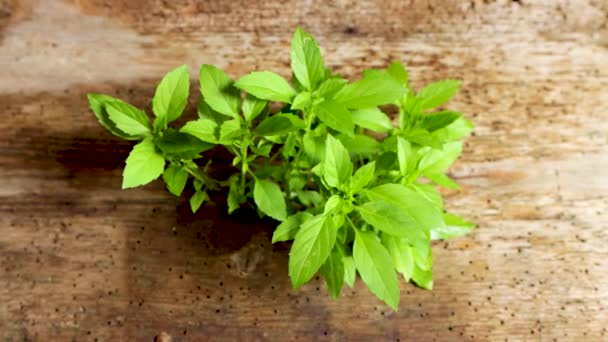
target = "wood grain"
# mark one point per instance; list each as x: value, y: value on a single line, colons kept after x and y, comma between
x: 81, y: 259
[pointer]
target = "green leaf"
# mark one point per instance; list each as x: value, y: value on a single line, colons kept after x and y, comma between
x: 301, y: 101
x: 306, y: 60
x: 330, y: 87
x: 387, y: 217
x: 269, y: 199
x: 423, y: 137
x: 335, y: 116
x: 455, y: 131
x: 404, y: 151
x: 206, y: 112
x: 424, y: 212
x: 144, y: 165
x: 287, y: 229
x: 309, y: 198
x: 197, y: 200
x: 311, y: 247
x: 171, y: 96
x: 314, y: 147
x: 333, y: 205
x: 98, y: 103
x: 437, y: 161
x: 370, y: 92
x: 266, y: 85
x: 398, y: 72
x: 252, y: 107
x: 333, y: 272
x: 362, y: 177
x: 436, y: 94
x: 337, y: 165
x: 182, y: 145
x: 175, y: 178
x: 350, y: 272
x: 401, y: 253
x: 229, y: 131
x: 359, y: 144
x: 218, y: 91
x: 430, y: 193
x: 442, y: 180
x: 204, y: 129
x: 423, y: 278
x: 235, y: 198
x: 373, y: 119
x: 279, y: 124
x: 435, y: 121
x: 128, y: 118
x: 455, y: 226
x: 375, y: 267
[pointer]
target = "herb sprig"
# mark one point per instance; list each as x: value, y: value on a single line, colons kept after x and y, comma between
x: 355, y: 192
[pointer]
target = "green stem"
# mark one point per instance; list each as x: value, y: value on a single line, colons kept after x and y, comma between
x: 244, y: 164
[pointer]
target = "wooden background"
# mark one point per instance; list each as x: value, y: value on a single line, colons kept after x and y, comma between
x: 80, y: 259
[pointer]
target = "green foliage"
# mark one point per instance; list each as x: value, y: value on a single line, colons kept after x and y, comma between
x: 353, y: 201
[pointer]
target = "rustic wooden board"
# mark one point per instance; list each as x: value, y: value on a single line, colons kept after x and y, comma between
x: 81, y: 259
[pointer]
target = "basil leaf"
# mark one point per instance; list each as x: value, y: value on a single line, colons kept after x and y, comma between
x: 252, y: 107
x: 430, y: 193
x: 422, y: 277
x: 359, y: 144
x: 204, y: 129
x: 335, y: 116
x: 376, y: 268
x: 171, y: 96
x: 389, y: 218
x: 175, y: 178
x: 98, y: 103
x: 266, y: 85
x: 338, y: 168
x: 436, y: 94
x: 287, y: 229
x: 333, y: 272
x: 218, y: 91
x: 350, y: 272
x: 230, y: 131
x: 362, y: 177
x: 424, y: 212
x: 401, y: 253
x: 269, y: 199
x: 333, y: 205
x: 442, y: 180
x: 314, y: 147
x: 455, y: 226
x: 306, y: 60
x: 437, y: 161
x: 424, y: 138
x: 370, y: 92
x: 143, y: 165
x: 197, y: 200
x: 434, y: 121
x: 301, y: 101
x: 398, y: 72
x: 311, y: 247
x: 457, y: 130
x: 279, y: 124
x: 235, y: 198
x: 330, y: 87
x: 128, y: 118
x: 182, y: 145
x: 404, y: 152
x: 373, y: 119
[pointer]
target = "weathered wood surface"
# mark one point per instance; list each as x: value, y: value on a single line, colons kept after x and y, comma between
x: 81, y: 259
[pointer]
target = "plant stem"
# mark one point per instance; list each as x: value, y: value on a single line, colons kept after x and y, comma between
x: 244, y: 165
